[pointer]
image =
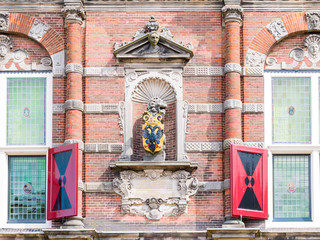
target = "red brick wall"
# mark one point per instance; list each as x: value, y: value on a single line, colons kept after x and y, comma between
x: 204, y: 31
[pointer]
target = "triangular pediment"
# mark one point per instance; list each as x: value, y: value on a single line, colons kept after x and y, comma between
x: 142, y: 48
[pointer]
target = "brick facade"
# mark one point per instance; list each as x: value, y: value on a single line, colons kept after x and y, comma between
x: 90, y: 43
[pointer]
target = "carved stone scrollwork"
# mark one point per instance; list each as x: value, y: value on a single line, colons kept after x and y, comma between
x: 38, y: 30
x: 155, y: 193
x: 121, y: 116
x: 277, y: 29
x: 255, y: 59
x: 15, y: 60
x: 4, y: 21
x: 74, y: 68
x: 185, y: 116
x: 313, y: 20
x: 232, y: 13
x: 301, y: 59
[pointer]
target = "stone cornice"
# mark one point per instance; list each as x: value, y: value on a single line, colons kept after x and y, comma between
x: 189, y: 71
x: 192, y: 108
x: 156, y: 6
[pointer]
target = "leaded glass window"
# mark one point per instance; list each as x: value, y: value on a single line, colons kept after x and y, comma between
x: 291, y: 118
x: 291, y: 188
x: 26, y: 111
x: 27, y: 189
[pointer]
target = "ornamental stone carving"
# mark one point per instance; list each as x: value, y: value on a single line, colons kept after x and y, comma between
x: 4, y: 21
x: 301, y: 59
x: 153, y: 136
x: 227, y: 142
x: 73, y: 11
x: 232, y: 13
x: 312, y: 42
x: 150, y: 44
x: 152, y: 25
x: 155, y: 193
x: 38, y: 30
x: 255, y: 59
x: 15, y: 60
x: 277, y: 29
x: 232, y: 67
x: 74, y: 68
x: 313, y: 20
x: 58, y: 62
x: 232, y: 103
x: 153, y: 87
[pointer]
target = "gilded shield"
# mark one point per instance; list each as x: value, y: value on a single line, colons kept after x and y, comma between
x: 153, y: 132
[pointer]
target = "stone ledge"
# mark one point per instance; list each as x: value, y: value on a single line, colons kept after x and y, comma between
x: 236, y: 233
x: 143, y: 165
x: 218, y: 186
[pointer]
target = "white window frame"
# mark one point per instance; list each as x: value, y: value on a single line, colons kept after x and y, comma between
x: 313, y: 149
x: 28, y: 150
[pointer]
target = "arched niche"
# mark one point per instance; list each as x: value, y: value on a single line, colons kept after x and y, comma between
x: 140, y: 89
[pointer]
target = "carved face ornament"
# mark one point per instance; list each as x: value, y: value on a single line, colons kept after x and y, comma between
x: 153, y: 38
x: 3, y: 50
x: 314, y: 20
x: 3, y: 23
x: 312, y: 42
x: 313, y: 49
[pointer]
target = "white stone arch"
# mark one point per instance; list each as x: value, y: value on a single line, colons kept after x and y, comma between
x: 171, y: 78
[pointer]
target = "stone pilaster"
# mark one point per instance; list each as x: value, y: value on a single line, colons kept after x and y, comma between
x: 74, y: 17
x: 231, y: 20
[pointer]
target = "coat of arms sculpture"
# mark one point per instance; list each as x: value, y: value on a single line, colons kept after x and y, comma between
x: 153, y: 136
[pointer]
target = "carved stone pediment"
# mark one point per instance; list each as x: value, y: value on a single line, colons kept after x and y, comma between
x: 153, y: 46
x: 155, y: 193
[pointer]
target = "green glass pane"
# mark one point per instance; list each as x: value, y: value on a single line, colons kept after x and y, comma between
x: 26, y: 188
x: 291, y: 119
x: 291, y: 186
x: 26, y: 108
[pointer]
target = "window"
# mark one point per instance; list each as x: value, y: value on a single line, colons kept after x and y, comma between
x: 292, y: 138
x: 25, y: 136
x: 26, y: 108
x: 27, y: 189
x: 291, y: 187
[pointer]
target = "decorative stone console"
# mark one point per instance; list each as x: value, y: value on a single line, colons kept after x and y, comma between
x: 155, y: 193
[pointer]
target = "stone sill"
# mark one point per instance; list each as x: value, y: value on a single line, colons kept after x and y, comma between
x: 165, y: 165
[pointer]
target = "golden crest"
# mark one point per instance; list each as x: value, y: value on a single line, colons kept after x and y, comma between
x: 153, y: 132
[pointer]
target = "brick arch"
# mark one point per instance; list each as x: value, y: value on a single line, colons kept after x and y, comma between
x: 264, y: 40
x: 51, y: 40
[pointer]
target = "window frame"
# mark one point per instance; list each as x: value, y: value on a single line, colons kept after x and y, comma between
x: 21, y: 150
x: 312, y: 149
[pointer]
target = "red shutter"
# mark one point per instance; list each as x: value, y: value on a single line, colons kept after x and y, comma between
x: 63, y: 182
x: 249, y: 182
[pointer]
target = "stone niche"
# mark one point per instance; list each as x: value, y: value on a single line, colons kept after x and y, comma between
x: 154, y: 184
